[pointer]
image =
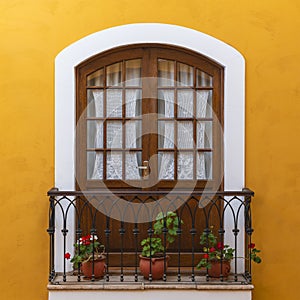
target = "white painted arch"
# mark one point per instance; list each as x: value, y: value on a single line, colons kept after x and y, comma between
x: 234, y: 93
x: 65, y: 110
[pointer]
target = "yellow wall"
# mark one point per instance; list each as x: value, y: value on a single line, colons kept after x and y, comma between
x: 33, y: 32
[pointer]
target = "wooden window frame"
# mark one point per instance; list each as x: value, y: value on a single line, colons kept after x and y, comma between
x: 146, y: 51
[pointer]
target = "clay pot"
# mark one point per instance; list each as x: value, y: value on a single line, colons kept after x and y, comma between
x: 157, y: 266
x: 216, y: 270
x: 99, y: 268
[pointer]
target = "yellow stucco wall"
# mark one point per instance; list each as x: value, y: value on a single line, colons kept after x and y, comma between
x: 33, y: 32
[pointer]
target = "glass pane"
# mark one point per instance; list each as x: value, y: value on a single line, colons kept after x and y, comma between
x: 204, y: 104
x: 95, y: 103
x: 166, y: 70
x: 185, y: 103
x: 185, y: 75
x: 133, y: 134
x: 114, y: 103
x: 166, y: 165
x: 185, y: 165
x: 185, y: 135
x: 94, y: 165
x: 133, y: 160
x: 166, y: 103
x: 204, y: 134
x: 94, y: 134
x: 204, y: 165
x: 114, y: 134
x: 114, y: 165
x: 165, y: 135
x: 133, y: 103
x: 96, y: 78
x: 133, y: 72
x: 203, y: 79
x: 114, y: 75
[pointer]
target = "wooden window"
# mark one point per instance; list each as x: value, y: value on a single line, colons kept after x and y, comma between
x: 149, y: 116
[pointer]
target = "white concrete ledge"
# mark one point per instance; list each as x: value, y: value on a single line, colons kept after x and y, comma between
x: 206, y: 292
x: 144, y: 286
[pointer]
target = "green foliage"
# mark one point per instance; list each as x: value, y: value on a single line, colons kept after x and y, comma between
x: 217, y: 251
x: 155, y: 244
x: 214, y: 250
x: 253, y: 255
x: 170, y: 222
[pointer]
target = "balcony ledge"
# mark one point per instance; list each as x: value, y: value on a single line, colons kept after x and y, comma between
x: 143, y: 286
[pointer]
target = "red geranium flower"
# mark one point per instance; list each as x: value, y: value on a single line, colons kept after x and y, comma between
x: 251, y: 246
x: 212, y: 249
x: 220, y: 246
x: 205, y: 255
x: 86, y: 240
x: 67, y: 255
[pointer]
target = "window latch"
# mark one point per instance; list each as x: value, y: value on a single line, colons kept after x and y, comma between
x: 145, y: 168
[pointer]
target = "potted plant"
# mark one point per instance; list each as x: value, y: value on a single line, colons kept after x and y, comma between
x: 217, y: 256
x: 153, y: 258
x: 89, y: 256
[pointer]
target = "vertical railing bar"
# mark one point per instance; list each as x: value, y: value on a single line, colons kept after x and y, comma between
x: 64, y: 232
x: 249, y: 231
x: 78, y: 236
x: 193, y: 233
x: 107, y: 235
x: 93, y: 231
x: 221, y: 234
x: 179, y: 231
x: 122, y: 232
x: 136, y: 232
x: 236, y: 232
x: 51, y: 232
x: 206, y: 232
x: 165, y: 231
x: 150, y: 232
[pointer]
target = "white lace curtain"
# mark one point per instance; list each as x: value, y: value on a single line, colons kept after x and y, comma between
x: 114, y: 136
x: 185, y: 136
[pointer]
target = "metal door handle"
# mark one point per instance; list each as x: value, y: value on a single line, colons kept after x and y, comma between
x: 144, y: 167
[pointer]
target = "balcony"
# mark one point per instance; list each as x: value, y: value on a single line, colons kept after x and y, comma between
x: 122, y: 219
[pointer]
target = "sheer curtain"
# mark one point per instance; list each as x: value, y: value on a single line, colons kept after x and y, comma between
x: 114, y: 136
x: 185, y: 136
x: 133, y: 131
x: 167, y: 159
x: 97, y: 97
x: 203, y: 111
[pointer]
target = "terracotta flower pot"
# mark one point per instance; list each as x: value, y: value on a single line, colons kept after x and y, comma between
x: 157, y: 266
x: 99, y: 268
x: 217, y: 269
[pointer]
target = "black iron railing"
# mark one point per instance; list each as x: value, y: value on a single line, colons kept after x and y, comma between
x: 122, y: 219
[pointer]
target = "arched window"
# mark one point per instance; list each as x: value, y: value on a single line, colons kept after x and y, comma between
x: 149, y: 116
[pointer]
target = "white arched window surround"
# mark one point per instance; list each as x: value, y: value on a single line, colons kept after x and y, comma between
x: 223, y: 54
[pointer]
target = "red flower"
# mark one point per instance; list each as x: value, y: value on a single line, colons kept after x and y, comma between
x: 86, y: 240
x: 220, y: 246
x: 212, y: 249
x: 67, y: 255
x: 251, y: 246
x: 205, y: 255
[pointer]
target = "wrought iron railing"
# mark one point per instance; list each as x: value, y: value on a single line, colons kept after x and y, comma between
x: 128, y: 217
